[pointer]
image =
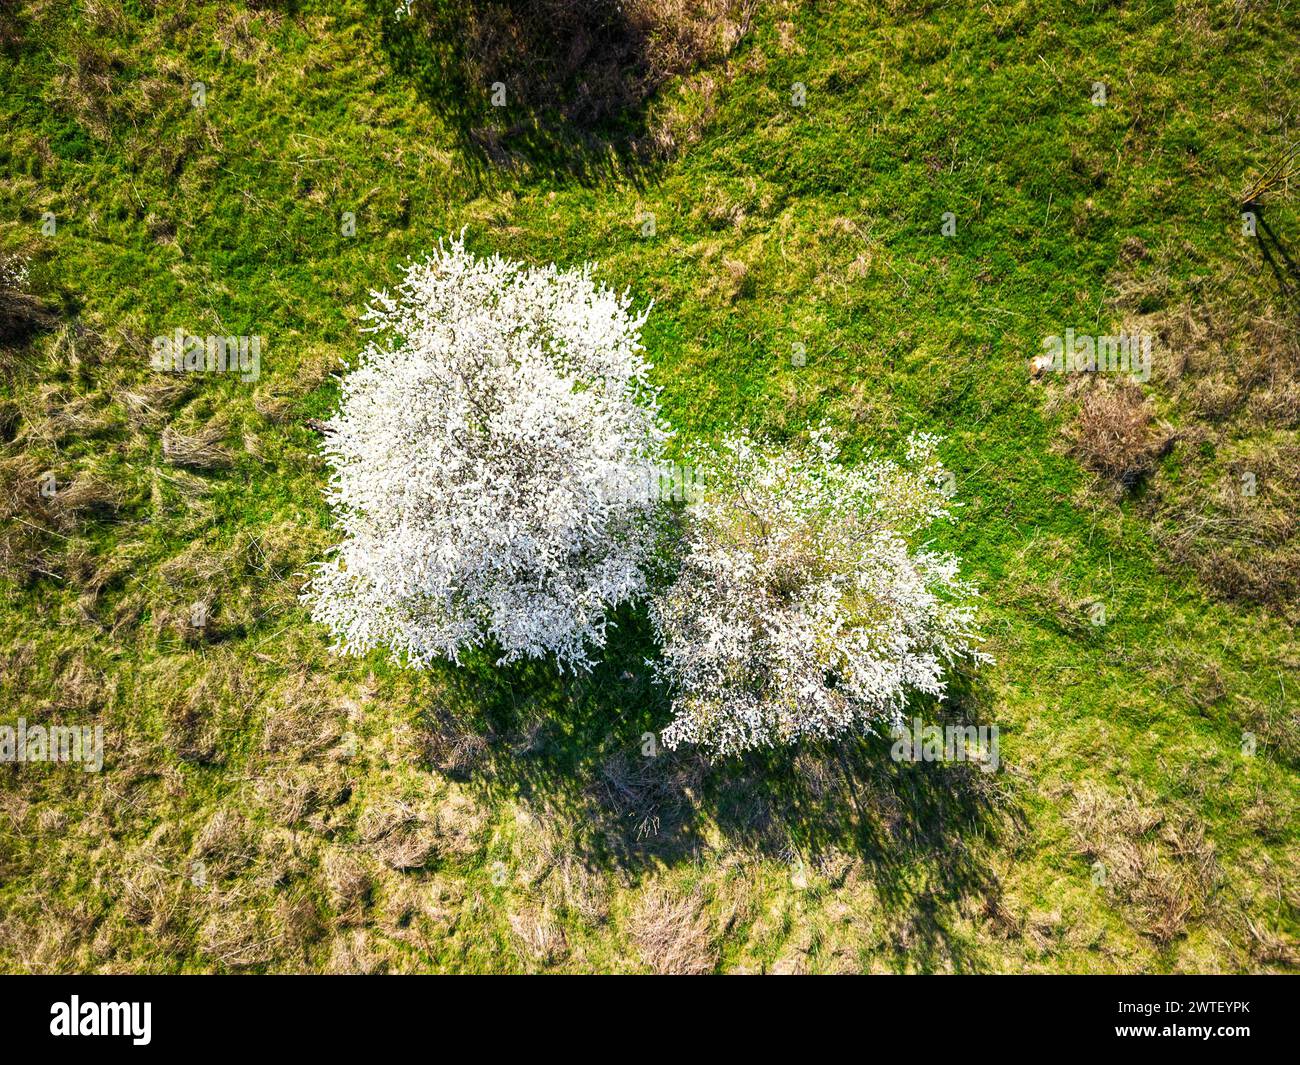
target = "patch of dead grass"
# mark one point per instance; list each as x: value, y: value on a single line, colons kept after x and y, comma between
x: 673, y: 933
x: 200, y: 450
x: 1160, y: 870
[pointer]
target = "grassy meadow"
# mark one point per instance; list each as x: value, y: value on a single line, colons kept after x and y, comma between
x: 267, y: 806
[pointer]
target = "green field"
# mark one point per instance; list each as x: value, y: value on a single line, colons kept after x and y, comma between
x: 267, y: 806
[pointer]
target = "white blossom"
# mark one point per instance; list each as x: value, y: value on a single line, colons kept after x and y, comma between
x: 801, y: 608
x: 485, y: 456
x: 13, y: 273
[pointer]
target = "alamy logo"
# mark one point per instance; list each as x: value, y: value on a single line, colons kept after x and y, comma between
x: 102, y: 1018
x: 182, y: 352
x: 53, y: 743
x: 661, y: 481
x: 950, y: 743
x: 1082, y: 353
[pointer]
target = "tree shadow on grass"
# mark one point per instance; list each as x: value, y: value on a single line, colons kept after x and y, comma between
x: 572, y: 749
x: 1286, y: 272
x: 556, y: 87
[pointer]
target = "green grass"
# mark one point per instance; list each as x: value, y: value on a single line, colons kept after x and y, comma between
x: 322, y: 773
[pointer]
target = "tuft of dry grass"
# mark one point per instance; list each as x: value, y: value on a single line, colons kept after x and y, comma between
x: 582, y: 889
x: 201, y: 450
x: 347, y: 878
x: 147, y: 896
x: 224, y: 844
x: 87, y: 496
x: 85, y: 85
x: 303, y: 794
x: 298, y: 720
x: 1115, y: 433
x: 1270, y: 948
x: 238, y: 937
x: 353, y: 954
x: 461, y: 822
x: 649, y: 795
x: 297, y: 922
x: 148, y: 402
x: 22, y: 316
x: 398, y: 835
x: 453, y: 748
x: 538, y: 937
x: 673, y: 933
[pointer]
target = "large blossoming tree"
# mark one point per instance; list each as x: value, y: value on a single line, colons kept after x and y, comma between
x: 491, y: 458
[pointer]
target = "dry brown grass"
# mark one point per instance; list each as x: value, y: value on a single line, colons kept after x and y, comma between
x: 147, y: 897
x: 1159, y: 869
x: 303, y: 794
x: 1271, y: 948
x: 347, y: 878
x: 398, y: 834
x: 12, y: 25
x: 673, y: 933
x: 299, y: 721
x: 681, y: 34
x: 22, y: 315
x: 1227, y: 373
x: 84, y: 87
x: 224, y: 845
x: 237, y: 936
x: 461, y: 823
x: 85, y: 497
x: 297, y: 922
x: 201, y: 450
x: 354, y: 954
x: 538, y: 937
x: 39, y: 510
x: 452, y: 747
x: 582, y: 889
x: 649, y: 795
x: 147, y: 402
x: 1115, y: 433
x: 198, y: 712
x: 1240, y: 531
x: 27, y: 549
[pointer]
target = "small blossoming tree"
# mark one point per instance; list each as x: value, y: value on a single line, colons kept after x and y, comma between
x: 802, y: 609
x: 486, y: 460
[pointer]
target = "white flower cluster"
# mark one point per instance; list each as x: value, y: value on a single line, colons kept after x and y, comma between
x: 13, y: 273
x: 800, y: 610
x: 485, y: 457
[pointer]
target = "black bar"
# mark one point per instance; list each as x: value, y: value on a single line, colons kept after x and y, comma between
x: 303, y: 1012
